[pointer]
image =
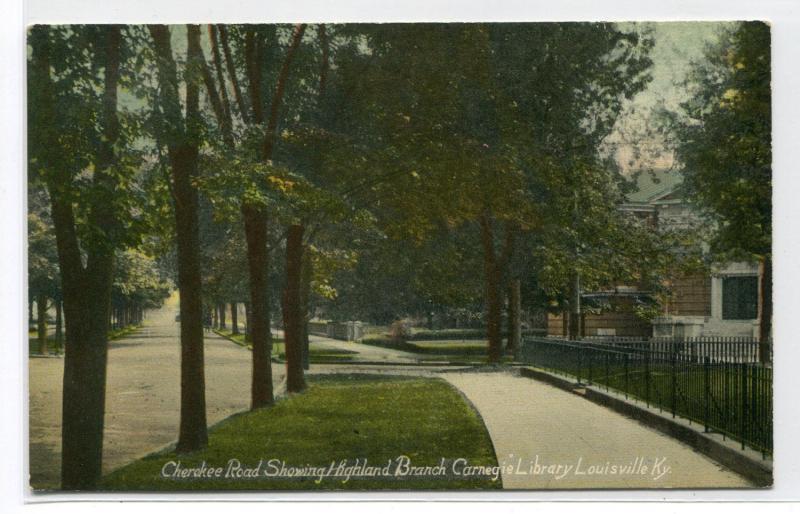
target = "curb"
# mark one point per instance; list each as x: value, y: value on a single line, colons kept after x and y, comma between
x: 248, y: 347
x: 754, y: 469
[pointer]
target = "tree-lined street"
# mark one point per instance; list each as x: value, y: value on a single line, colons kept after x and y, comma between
x: 142, y: 402
x: 437, y: 192
x: 538, y: 423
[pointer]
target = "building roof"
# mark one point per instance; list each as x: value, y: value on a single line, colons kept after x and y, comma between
x: 653, y: 184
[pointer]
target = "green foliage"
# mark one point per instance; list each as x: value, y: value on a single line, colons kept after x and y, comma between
x: 43, y: 273
x: 723, y: 136
x: 137, y: 279
x: 447, y: 123
x: 392, y: 141
x: 73, y: 122
x: 453, y: 333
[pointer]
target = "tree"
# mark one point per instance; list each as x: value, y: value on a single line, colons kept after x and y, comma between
x: 251, y: 172
x: 43, y: 274
x: 137, y: 286
x: 565, y: 102
x: 182, y: 136
x: 500, y: 120
x: 224, y: 256
x: 74, y: 132
x: 723, y: 141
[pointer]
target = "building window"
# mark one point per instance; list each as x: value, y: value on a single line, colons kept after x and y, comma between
x: 740, y: 297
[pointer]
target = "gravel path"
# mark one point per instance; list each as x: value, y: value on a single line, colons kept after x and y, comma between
x: 536, y: 427
x: 142, y: 396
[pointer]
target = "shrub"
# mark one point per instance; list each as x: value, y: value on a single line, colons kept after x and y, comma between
x: 466, y: 334
x: 400, y: 330
x: 448, y: 334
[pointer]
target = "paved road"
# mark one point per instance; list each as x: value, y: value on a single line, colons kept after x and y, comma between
x: 533, y: 424
x: 142, y: 397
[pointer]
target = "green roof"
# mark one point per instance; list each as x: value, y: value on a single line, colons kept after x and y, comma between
x: 651, y: 184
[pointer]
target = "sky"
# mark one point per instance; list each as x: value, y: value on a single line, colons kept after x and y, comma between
x: 677, y: 44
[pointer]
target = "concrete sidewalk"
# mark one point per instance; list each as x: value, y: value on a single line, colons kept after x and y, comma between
x: 364, y: 352
x: 142, y: 395
x: 549, y: 439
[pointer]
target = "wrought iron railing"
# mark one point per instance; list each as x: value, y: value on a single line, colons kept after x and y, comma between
x: 719, y: 383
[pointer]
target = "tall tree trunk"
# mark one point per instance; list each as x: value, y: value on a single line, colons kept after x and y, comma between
x: 494, y: 309
x: 514, y: 317
x: 255, y: 229
x: 183, y: 154
x: 292, y: 309
x: 222, y: 316
x: 247, y: 322
x: 234, y: 318
x: 30, y: 311
x: 85, y: 357
x: 41, y: 323
x: 59, y: 325
x: 765, y: 310
x: 256, y: 219
x: 575, y: 307
x: 492, y: 285
x: 215, y: 316
x: 85, y: 315
x: 85, y: 352
x: 193, y: 433
x: 305, y: 299
x: 237, y: 91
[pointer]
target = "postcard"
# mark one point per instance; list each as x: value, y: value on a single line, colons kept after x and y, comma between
x: 399, y: 256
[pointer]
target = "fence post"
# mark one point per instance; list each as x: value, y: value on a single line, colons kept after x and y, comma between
x: 743, y: 419
x: 674, y: 381
x: 607, y: 371
x: 707, y: 392
x: 626, y: 375
x: 647, y: 378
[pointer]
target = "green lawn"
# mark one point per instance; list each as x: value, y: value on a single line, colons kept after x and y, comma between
x: 277, y: 343
x: 468, y: 351
x: 33, y: 345
x: 122, y: 332
x: 316, y: 355
x: 461, y: 358
x: 340, y: 417
x: 53, y: 349
x: 455, y: 346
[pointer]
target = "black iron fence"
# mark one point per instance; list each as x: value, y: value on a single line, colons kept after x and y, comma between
x: 718, y: 383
